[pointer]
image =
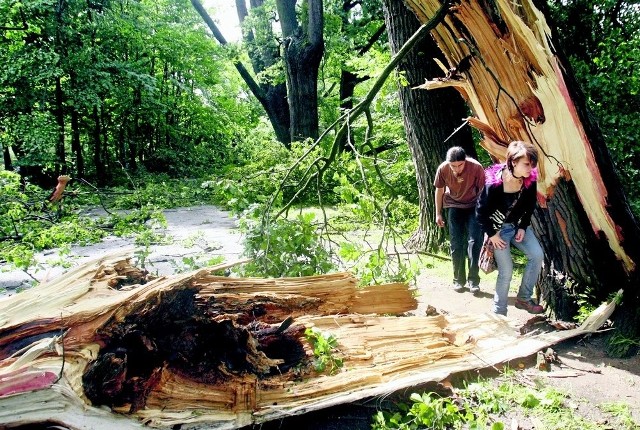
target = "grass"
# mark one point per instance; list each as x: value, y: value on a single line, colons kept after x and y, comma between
x: 622, y: 414
x: 496, y: 403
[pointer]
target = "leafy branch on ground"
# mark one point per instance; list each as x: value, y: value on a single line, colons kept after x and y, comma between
x: 490, y: 403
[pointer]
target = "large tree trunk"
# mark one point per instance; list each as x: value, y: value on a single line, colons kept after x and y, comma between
x: 106, y: 347
x: 521, y: 88
x: 264, y: 53
x: 429, y: 117
x: 272, y: 101
x: 303, y: 48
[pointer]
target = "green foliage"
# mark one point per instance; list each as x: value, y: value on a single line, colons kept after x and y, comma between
x: 149, y: 191
x: 622, y: 413
x: 602, y: 40
x: 376, y: 266
x: 261, y: 164
x: 482, y: 405
x: 128, y: 224
x: 195, y: 262
x: 14, y: 202
x: 284, y: 247
x: 29, y: 224
x: 585, y: 307
x: 621, y: 345
x: 148, y: 87
x: 324, y: 351
x: 70, y: 230
x: 427, y: 411
x: 20, y: 256
x: 37, y: 133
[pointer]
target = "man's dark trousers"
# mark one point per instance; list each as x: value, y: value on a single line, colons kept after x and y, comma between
x: 466, y: 239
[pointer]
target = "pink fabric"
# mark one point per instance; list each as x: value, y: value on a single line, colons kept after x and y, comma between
x: 493, y: 176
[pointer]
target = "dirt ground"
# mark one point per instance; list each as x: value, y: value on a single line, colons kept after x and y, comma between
x: 586, y: 373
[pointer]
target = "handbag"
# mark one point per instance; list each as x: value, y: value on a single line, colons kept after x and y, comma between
x: 486, y: 260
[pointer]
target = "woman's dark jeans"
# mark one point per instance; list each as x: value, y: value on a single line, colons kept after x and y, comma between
x: 465, y: 236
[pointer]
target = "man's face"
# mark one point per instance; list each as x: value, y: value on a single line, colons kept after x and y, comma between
x: 457, y: 167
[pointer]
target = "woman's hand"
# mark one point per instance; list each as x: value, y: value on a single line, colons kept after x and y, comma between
x: 519, y: 235
x: 497, y: 241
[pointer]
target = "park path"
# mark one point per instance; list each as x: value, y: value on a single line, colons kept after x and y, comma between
x: 196, y: 232
x: 210, y: 231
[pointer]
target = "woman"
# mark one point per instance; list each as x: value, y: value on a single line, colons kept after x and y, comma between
x: 504, y: 212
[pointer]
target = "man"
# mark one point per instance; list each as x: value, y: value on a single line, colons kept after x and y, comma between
x: 459, y: 181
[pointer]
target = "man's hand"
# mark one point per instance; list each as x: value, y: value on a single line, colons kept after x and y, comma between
x: 438, y: 199
x: 519, y: 235
x: 497, y: 241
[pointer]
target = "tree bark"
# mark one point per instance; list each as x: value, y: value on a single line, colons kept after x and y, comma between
x: 429, y: 118
x: 303, y: 49
x: 521, y: 87
x: 98, y: 159
x: 76, y: 146
x: 6, y: 156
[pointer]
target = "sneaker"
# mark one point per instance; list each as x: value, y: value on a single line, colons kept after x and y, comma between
x: 529, y: 306
x: 458, y: 288
x: 474, y: 289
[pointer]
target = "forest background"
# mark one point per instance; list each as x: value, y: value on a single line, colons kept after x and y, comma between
x: 146, y: 105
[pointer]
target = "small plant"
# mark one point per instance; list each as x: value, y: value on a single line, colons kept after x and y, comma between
x: 622, y: 413
x: 585, y: 307
x: 324, y: 351
x: 481, y: 405
x: 428, y: 411
x: 620, y: 345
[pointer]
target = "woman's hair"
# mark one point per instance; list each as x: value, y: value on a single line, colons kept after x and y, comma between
x: 456, y: 153
x: 518, y: 149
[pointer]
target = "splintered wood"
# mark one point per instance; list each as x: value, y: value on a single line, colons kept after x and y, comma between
x: 502, y: 61
x: 107, y: 346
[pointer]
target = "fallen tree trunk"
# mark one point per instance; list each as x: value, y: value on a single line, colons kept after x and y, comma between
x: 105, y: 346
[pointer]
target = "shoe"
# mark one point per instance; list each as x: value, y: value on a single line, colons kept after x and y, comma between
x: 458, y: 288
x: 529, y: 306
x: 474, y: 289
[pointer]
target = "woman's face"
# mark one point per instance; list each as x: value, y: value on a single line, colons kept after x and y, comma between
x: 522, y: 167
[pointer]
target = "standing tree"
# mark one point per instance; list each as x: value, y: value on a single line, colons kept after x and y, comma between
x: 429, y: 117
x: 521, y: 87
x: 264, y: 52
x: 302, y: 51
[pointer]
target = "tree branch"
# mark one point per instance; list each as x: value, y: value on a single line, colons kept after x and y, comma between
x: 346, y: 118
x: 244, y: 73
